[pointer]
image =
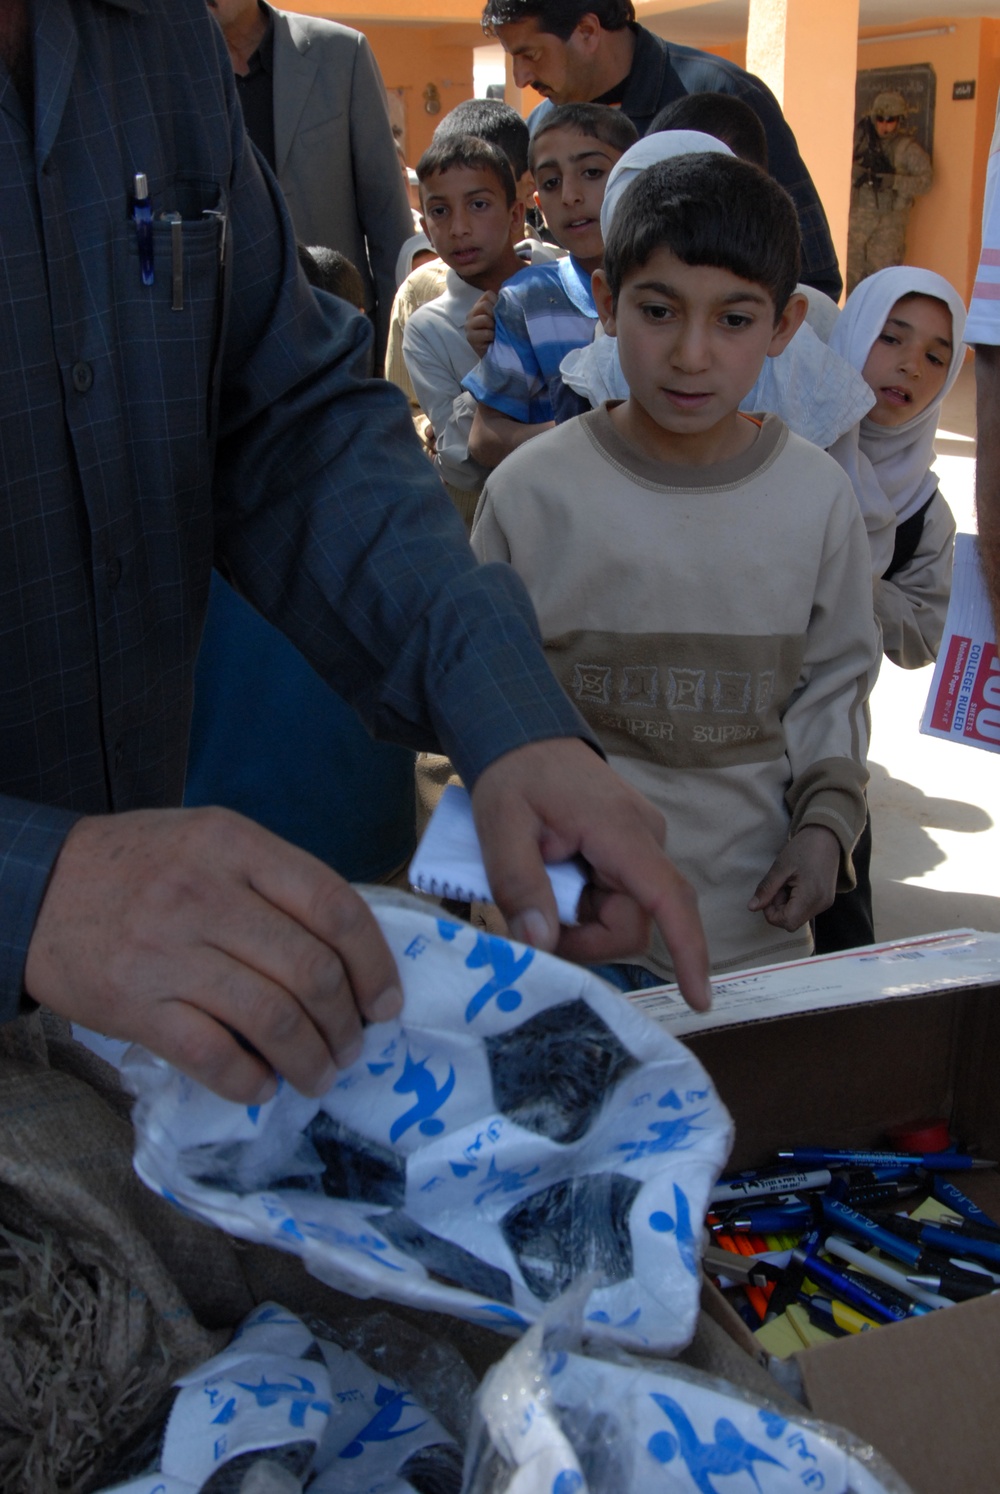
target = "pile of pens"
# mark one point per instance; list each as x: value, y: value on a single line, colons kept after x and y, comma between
x: 835, y: 1242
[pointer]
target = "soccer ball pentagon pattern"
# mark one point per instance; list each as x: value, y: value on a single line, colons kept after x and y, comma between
x: 519, y: 1127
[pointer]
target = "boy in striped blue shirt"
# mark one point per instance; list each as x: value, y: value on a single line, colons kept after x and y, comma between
x: 549, y: 309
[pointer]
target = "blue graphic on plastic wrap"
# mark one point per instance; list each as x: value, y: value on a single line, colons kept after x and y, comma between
x: 567, y: 1482
x: 417, y: 1079
x: 253, y: 1111
x: 680, y: 1226
x: 302, y: 1397
x: 289, y: 1227
x: 670, y: 1101
x: 449, y: 931
x: 379, y: 1068
x: 507, y: 1181
x: 668, y: 1136
x: 462, y: 1169
x: 382, y: 1427
x: 774, y: 1425
x: 367, y: 1245
x: 729, y: 1454
x: 272, y: 1315
x: 507, y: 1313
x: 416, y: 947
x: 227, y: 1414
x: 497, y: 954
x: 600, y: 1316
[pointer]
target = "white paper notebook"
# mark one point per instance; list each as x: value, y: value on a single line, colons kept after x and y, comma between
x: 449, y: 863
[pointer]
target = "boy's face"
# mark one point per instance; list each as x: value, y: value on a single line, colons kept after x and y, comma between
x: 571, y: 172
x: 692, y: 340
x: 909, y: 360
x: 471, y: 225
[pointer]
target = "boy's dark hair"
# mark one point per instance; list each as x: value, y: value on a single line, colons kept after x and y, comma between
x: 329, y: 270
x: 558, y: 17
x: 469, y: 151
x: 596, y: 121
x: 492, y: 120
x: 707, y: 210
x: 728, y: 118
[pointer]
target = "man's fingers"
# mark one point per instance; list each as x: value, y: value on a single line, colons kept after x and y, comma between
x: 350, y: 942
x: 609, y: 923
x: 676, y: 916
x: 557, y: 798
x: 636, y: 866
x: 517, y: 876
x: 306, y: 1036
x: 202, y: 921
x: 201, y: 1048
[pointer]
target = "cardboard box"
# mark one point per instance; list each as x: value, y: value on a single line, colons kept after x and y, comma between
x: 924, y: 1041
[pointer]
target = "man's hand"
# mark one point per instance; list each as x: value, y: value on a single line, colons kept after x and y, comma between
x: 180, y: 928
x: 555, y: 799
x: 480, y: 324
x: 803, y: 880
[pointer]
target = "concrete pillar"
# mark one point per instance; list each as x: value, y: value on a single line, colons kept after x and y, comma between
x: 806, y: 51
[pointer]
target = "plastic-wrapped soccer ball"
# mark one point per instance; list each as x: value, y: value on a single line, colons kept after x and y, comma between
x: 519, y: 1126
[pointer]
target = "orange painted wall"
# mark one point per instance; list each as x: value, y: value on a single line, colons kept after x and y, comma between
x: 410, y: 57
x: 733, y: 52
x: 944, y: 227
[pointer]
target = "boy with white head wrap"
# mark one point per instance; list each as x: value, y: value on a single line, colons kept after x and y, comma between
x: 811, y: 388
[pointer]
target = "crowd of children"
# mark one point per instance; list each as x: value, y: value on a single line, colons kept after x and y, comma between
x: 717, y: 489
x: 719, y: 630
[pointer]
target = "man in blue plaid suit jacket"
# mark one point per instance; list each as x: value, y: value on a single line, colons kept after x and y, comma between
x: 174, y: 395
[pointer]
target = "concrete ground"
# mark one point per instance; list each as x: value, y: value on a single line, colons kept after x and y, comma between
x: 935, y: 806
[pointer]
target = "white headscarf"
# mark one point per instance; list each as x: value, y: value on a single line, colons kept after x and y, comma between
x: 900, y: 455
x: 662, y: 146
x: 408, y: 252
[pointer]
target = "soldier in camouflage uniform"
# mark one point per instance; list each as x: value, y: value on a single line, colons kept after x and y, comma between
x: 890, y: 170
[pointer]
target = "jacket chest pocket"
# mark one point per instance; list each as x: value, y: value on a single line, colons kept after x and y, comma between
x: 175, y: 305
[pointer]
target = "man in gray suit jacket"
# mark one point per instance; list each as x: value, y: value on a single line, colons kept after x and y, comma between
x: 315, y: 107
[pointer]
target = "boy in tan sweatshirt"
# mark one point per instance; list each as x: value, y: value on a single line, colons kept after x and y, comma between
x: 702, y: 578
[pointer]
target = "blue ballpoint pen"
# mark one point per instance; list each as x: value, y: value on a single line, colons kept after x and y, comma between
x: 866, y: 1229
x: 951, y: 1241
x: 814, y: 1156
x: 885, y: 1274
x: 766, y: 1221
x: 851, y: 1292
x: 142, y: 214
x: 953, y: 1198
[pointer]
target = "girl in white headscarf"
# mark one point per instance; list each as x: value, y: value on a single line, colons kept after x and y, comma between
x: 902, y: 328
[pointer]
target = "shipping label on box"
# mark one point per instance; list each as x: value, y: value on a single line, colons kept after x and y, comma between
x: 956, y: 959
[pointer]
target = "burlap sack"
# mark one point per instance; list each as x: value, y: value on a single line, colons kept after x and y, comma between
x: 106, y: 1293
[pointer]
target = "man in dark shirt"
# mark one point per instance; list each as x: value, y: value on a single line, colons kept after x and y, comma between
x: 592, y: 51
